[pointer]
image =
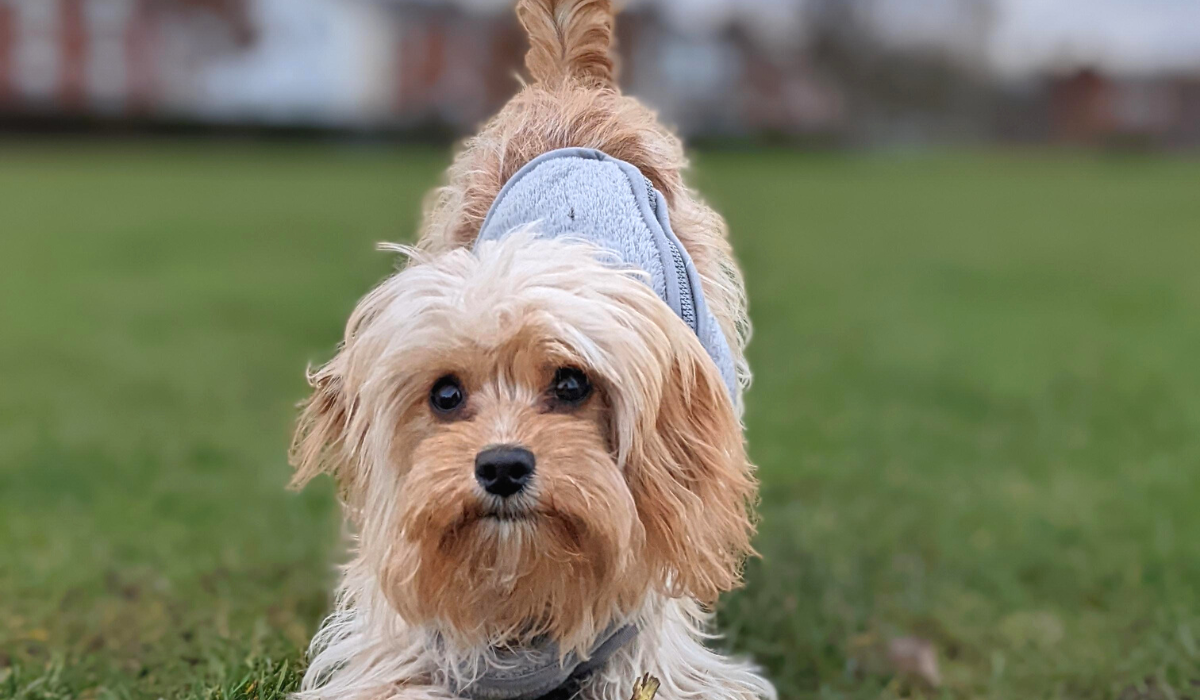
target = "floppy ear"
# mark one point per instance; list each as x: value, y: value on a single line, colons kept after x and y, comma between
x: 328, y: 440
x: 691, y: 480
x: 319, y: 444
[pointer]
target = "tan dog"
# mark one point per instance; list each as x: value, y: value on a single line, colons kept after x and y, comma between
x: 538, y: 457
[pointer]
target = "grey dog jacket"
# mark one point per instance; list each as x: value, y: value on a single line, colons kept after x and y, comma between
x: 585, y: 194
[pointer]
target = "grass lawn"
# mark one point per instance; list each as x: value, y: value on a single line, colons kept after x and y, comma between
x: 977, y: 413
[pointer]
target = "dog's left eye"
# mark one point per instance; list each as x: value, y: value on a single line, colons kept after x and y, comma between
x: 447, y: 394
x: 571, y: 386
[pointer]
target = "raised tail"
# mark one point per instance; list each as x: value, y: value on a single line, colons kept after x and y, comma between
x: 569, y: 39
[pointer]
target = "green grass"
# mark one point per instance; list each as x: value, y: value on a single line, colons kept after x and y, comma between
x: 977, y: 413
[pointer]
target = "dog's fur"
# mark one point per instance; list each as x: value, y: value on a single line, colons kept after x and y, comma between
x: 641, y: 507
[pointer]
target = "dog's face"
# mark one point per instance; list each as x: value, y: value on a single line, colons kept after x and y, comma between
x: 529, y: 441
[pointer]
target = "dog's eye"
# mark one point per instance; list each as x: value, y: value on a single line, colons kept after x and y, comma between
x: 447, y: 394
x: 570, y: 385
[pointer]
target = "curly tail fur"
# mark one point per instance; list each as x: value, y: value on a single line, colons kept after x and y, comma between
x: 569, y: 39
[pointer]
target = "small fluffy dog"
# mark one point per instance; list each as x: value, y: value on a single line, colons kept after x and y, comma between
x: 537, y: 436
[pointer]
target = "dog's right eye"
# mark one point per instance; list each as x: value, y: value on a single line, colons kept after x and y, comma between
x: 571, y: 386
x: 447, y: 395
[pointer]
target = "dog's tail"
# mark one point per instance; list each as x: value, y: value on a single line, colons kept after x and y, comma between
x: 569, y: 39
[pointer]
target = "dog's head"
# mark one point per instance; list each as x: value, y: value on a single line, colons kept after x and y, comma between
x: 529, y: 441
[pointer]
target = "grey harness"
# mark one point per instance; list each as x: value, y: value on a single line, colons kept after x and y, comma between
x: 585, y: 194
x: 534, y: 672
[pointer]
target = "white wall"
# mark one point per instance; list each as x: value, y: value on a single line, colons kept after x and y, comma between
x: 322, y: 61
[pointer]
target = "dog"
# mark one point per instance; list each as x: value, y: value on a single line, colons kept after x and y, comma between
x: 535, y: 425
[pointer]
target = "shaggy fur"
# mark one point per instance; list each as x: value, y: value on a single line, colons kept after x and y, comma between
x: 640, y: 510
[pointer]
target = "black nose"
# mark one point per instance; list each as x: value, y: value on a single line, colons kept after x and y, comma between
x: 504, y: 470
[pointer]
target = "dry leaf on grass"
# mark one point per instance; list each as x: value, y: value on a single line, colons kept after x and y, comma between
x: 645, y: 688
x: 914, y: 659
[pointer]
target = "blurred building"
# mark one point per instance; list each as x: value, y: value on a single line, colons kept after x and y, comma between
x: 851, y: 70
x: 206, y: 61
x: 1092, y: 108
x: 113, y: 57
x: 369, y: 63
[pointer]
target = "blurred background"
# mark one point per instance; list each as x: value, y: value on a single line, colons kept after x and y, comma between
x: 849, y: 72
x: 971, y: 234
